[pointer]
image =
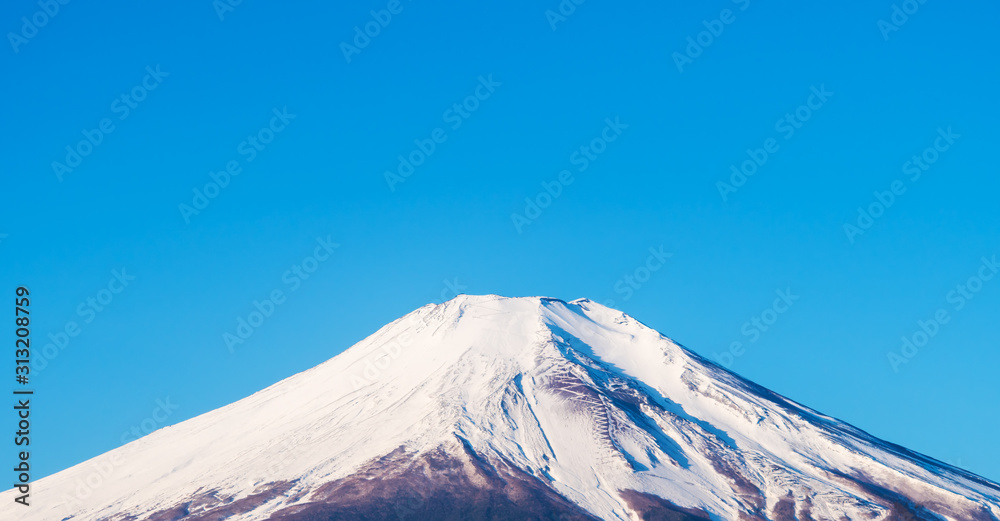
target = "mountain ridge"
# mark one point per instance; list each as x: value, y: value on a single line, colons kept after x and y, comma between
x: 528, y: 406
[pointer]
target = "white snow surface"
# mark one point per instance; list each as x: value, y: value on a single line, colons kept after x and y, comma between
x: 581, y: 396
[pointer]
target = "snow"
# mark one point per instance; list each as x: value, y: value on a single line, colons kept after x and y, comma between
x: 576, y: 393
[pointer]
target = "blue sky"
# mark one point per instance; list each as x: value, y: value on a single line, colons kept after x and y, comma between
x: 610, y: 106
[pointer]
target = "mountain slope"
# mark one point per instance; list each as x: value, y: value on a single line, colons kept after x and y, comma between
x: 515, y: 408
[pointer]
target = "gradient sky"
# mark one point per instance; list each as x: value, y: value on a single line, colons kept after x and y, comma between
x: 158, y: 346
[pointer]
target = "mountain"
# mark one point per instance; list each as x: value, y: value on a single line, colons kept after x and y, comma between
x: 493, y: 408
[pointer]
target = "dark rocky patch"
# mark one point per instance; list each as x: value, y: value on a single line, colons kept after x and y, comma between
x: 655, y: 508
x: 805, y: 514
x: 743, y: 488
x: 435, y: 486
x: 172, y: 514
x: 784, y: 509
x: 210, y: 507
x: 903, y: 508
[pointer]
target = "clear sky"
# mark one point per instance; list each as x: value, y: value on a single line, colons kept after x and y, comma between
x: 304, y: 122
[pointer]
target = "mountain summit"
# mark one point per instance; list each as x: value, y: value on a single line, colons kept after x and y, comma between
x: 493, y: 408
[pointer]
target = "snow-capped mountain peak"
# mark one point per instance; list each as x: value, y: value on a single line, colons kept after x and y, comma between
x: 486, y: 407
